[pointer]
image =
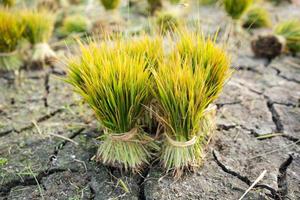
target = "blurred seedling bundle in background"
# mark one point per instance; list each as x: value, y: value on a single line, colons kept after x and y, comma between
x: 284, y: 38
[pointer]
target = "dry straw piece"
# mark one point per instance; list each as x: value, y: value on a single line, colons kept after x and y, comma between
x: 11, y: 30
x: 186, y: 85
x: 115, y: 81
x: 38, y: 30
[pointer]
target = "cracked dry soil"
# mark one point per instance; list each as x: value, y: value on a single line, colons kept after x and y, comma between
x: 261, y: 98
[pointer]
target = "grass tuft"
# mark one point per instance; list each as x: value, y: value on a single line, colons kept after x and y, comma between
x: 38, y: 30
x: 116, y: 84
x: 11, y: 30
x: 257, y: 17
x: 110, y: 4
x: 75, y: 24
x: 8, y: 3
x: 155, y: 5
x: 290, y: 30
x: 236, y: 8
x: 186, y: 84
x: 167, y: 23
x: 149, y: 48
x: 38, y: 26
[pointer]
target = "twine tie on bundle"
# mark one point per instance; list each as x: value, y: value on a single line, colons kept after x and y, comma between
x: 127, y: 136
x: 208, y: 110
x: 181, y: 144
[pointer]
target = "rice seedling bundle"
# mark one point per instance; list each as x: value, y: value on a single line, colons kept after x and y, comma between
x: 38, y: 30
x: 186, y: 86
x: 75, y: 24
x: 110, y: 4
x: 116, y: 84
x: 175, y: 1
x: 11, y: 31
x: 286, y: 37
x: 154, y: 5
x: 290, y: 30
x: 236, y: 8
x: 257, y: 17
x: 167, y: 23
x: 8, y: 3
x: 207, y: 2
x: 150, y: 48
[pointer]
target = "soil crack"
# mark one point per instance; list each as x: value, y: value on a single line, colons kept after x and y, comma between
x: 278, y: 73
x: 282, y: 179
x: 47, y: 88
x: 248, y: 68
x: 29, y: 181
x: 275, y: 117
x: 141, y: 184
x: 245, y: 179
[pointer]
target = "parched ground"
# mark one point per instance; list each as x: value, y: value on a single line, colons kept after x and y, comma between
x: 41, y: 114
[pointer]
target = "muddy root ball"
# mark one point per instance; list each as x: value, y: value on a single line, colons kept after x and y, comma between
x: 268, y: 46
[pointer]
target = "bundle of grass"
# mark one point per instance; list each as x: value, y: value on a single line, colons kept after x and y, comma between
x: 76, y: 2
x: 167, y: 23
x: 207, y: 2
x: 286, y: 37
x: 277, y: 2
x: 52, y: 5
x: 186, y: 86
x: 74, y: 24
x: 116, y: 86
x: 257, y: 17
x: 236, y: 8
x: 175, y: 1
x: 8, y: 3
x: 11, y: 31
x: 149, y: 48
x: 38, y: 30
x: 155, y: 5
x: 290, y: 30
x: 110, y: 4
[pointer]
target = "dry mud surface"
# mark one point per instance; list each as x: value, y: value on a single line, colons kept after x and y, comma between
x: 262, y: 97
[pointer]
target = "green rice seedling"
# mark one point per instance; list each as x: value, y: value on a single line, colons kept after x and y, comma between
x: 11, y: 31
x: 8, y: 3
x: 257, y: 17
x: 150, y: 48
x: 38, y: 30
x: 154, y: 5
x: 110, y: 4
x: 167, y: 23
x: 236, y: 8
x: 286, y: 37
x: 175, y: 1
x: 48, y: 5
x: 116, y: 85
x: 290, y: 30
x: 277, y: 2
x: 207, y: 2
x: 199, y: 51
x: 75, y: 24
x: 186, y: 85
